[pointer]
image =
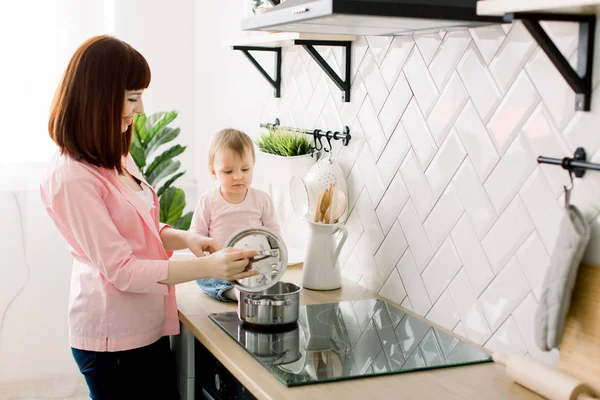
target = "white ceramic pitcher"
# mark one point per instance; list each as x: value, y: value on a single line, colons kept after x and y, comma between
x: 321, y: 269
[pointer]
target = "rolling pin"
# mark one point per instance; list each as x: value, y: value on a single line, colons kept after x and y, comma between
x: 545, y: 381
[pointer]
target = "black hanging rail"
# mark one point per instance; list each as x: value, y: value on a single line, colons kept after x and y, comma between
x: 576, y: 165
x: 315, y: 133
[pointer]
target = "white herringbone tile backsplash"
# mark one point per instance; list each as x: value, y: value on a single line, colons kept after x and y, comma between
x: 451, y: 215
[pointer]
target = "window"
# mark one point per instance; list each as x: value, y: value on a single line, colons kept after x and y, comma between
x: 37, y: 38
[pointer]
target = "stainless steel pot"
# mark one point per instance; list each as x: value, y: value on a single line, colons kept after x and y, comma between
x: 272, y: 348
x: 264, y: 300
x: 272, y: 307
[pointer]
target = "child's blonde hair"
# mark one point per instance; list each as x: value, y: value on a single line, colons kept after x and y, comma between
x: 232, y: 139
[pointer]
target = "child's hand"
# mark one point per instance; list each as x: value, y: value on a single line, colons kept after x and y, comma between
x: 199, y: 244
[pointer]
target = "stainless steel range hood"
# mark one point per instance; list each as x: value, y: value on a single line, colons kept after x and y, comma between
x: 368, y: 17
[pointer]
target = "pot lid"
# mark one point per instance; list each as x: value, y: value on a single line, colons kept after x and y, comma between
x: 271, y: 261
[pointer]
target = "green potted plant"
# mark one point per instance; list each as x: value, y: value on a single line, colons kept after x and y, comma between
x: 282, y: 142
x: 282, y: 154
x: 158, y: 166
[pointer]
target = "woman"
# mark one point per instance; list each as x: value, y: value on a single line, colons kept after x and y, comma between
x: 122, y: 305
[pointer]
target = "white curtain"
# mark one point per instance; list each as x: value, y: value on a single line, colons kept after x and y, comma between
x: 37, y: 38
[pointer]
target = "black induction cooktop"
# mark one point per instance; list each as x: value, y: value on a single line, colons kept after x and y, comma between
x: 346, y: 340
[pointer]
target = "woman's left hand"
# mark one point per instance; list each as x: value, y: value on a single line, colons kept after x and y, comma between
x: 199, y: 244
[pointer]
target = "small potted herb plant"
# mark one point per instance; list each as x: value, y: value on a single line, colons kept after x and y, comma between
x: 283, y: 142
x: 282, y: 154
x: 286, y: 150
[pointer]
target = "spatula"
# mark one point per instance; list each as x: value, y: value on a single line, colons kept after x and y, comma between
x: 340, y: 206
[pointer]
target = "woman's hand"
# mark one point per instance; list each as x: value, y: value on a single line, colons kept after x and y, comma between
x: 230, y: 264
x: 199, y: 244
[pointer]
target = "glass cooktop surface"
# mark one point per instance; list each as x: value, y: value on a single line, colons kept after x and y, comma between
x: 347, y: 340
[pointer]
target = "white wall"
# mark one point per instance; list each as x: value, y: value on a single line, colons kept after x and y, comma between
x: 452, y: 217
x: 163, y: 33
x: 229, y: 92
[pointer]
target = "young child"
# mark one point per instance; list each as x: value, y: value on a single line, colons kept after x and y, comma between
x: 234, y: 204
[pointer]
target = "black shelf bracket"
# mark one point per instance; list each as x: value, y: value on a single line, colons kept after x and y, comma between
x: 276, y: 81
x: 579, y: 79
x: 342, y: 84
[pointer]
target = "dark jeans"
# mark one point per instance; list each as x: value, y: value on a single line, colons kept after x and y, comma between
x: 144, y: 373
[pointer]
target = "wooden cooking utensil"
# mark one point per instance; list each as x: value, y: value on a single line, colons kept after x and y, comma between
x: 325, y: 202
x: 332, y: 203
x: 340, y: 206
x: 317, y: 216
x: 544, y: 380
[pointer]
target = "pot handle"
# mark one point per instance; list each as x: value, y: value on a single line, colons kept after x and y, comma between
x: 340, y: 244
x: 267, y: 302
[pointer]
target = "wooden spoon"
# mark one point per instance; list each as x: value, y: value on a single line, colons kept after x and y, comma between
x: 326, y: 216
x: 317, y: 216
x: 340, y: 206
x: 325, y: 203
x: 332, y: 204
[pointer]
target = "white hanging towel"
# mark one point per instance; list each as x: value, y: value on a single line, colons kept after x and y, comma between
x: 560, y: 279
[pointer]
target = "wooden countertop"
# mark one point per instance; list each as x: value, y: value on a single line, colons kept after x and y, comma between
x: 484, y: 381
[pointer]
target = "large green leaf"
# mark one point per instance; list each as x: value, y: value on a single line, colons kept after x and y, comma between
x: 139, y: 127
x: 172, y: 203
x: 163, y: 157
x: 154, y: 118
x: 164, y: 170
x: 164, y: 136
x: 168, y: 183
x: 184, y: 222
x: 166, y: 119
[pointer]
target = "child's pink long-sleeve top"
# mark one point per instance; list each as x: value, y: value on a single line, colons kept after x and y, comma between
x: 115, y: 301
x: 216, y: 218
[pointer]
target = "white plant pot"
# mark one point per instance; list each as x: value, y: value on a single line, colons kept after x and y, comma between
x: 282, y: 169
x: 273, y: 174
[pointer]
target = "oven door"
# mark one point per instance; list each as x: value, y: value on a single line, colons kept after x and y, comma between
x: 213, y: 381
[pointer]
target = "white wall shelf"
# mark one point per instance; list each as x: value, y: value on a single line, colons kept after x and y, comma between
x: 284, y: 39
x: 501, y: 7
